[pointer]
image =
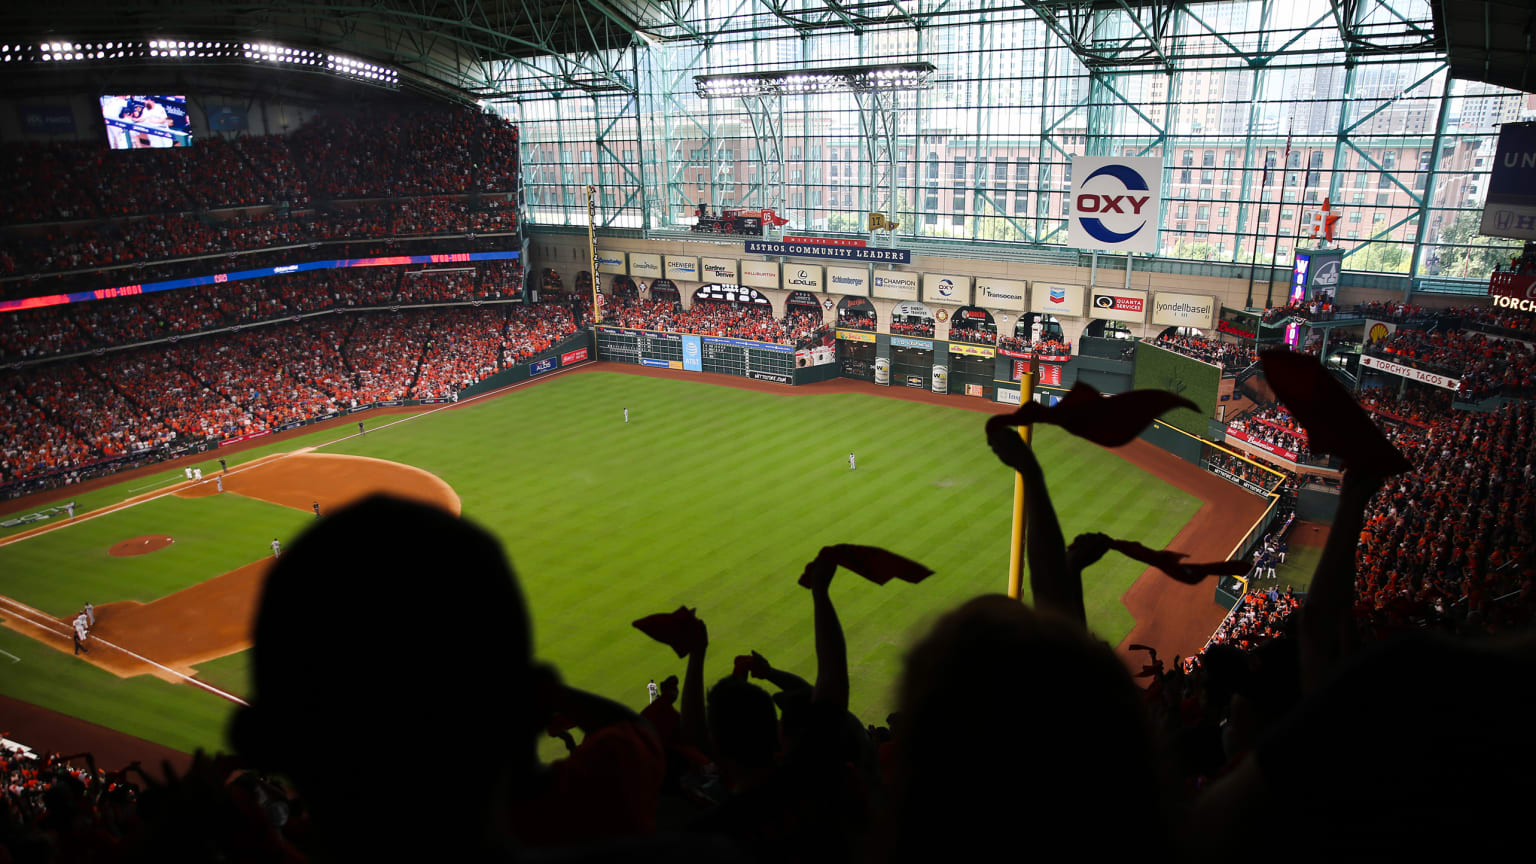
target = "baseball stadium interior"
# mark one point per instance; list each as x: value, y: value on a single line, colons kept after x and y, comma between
x: 1280, y: 257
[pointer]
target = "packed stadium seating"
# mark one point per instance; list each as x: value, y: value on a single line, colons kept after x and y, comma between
x: 1230, y: 356
x: 1049, y: 347
x: 1487, y: 366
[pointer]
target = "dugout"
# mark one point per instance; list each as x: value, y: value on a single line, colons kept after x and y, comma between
x: 856, y: 324
x: 972, y: 352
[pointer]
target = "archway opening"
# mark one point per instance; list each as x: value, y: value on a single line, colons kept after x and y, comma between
x: 857, y: 313
x: 912, y: 319
x: 973, y: 324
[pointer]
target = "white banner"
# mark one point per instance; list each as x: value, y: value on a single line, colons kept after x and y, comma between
x: 682, y: 268
x: 1052, y: 298
x: 802, y: 277
x: 1184, y: 310
x: 610, y: 262
x: 1008, y: 397
x: 912, y: 308
x: 895, y: 285
x: 1115, y: 203
x: 645, y: 265
x: 1117, y: 304
x: 1000, y: 293
x: 942, y: 288
x: 1443, y: 381
x: 719, y: 270
x: 760, y: 274
x: 853, y: 281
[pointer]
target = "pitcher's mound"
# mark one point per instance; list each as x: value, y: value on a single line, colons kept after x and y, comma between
x: 141, y: 545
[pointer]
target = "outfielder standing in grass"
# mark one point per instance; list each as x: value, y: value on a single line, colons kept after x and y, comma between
x: 277, y: 548
x: 626, y: 415
x: 850, y: 462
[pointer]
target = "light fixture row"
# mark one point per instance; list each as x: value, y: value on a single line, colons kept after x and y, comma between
x: 258, y: 52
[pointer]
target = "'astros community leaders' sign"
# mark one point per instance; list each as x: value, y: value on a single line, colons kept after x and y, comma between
x: 807, y: 250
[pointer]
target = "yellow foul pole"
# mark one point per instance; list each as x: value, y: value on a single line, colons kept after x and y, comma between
x: 597, y: 310
x: 1016, y: 555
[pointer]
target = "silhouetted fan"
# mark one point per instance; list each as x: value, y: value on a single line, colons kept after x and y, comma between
x: 1171, y: 562
x: 1334, y: 421
x: 679, y: 630
x: 1109, y: 421
x: 875, y: 564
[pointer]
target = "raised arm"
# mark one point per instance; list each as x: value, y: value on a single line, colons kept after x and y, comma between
x: 693, y: 723
x: 1054, y: 584
x: 779, y: 678
x: 831, y: 649
x: 1326, y: 619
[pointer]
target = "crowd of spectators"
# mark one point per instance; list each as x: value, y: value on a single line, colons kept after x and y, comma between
x: 1507, y: 321
x: 973, y: 335
x: 1485, y: 365
x: 1388, y: 311
x: 1245, y: 470
x: 1316, y: 309
x: 1417, y: 406
x: 1046, y: 347
x: 1274, y: 425
x: 1230, y: 356
x: 79, y: 412
x: 912, y: 325
x: 859, y: 318
x: 754, y: 321
x: 1264, y: 614
x: 389, y: 154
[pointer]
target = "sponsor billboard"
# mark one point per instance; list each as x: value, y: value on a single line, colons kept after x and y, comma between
x: 760, y: 274
x: 769, y: 376
x: 819, y: 250
x: 1375, y: 331
x: 609, y: 261
x: 1510, y: 210
x: 46, y: 119
x: 645, y: 265
x: 1265, y: 446
x: 855, y: 336
x: 1050, y: 374
x: 1001, y: 293
x: 826, y: 241
x: 681, y: 268
x: 905, y: 342
x: 1053, y: 298
x: 1513, y: 291
x: 1445, y: 382
x: 970, y: 350
x: 1008, y: 397
x: 693, y: 353
x: 719, y: 270
x: 1114, y: 203
x: 1117, y: 304
x: 802, y: 277
x: 944, y: 288
x: 542, y: 366
x: 894, y: 285
x: 853, y: 281
x: 570, y: 357
x: 657, y: 364
x: 1184, y: 310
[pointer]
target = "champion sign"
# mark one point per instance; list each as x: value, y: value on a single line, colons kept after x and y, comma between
x: 1115, y: 203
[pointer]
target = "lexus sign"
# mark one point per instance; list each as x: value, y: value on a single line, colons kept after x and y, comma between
x: 1115, y: 203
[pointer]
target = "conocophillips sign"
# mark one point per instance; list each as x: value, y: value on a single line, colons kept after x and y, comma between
x: 1117, y: 304
x: 645, y: 264
x: 1183, y: 310
x: 1115, y: 203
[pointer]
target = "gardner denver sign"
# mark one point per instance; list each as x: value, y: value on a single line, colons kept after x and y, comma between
x: 1114, y: 203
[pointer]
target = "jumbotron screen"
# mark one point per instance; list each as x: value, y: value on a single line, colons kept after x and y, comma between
x: 139, y: 122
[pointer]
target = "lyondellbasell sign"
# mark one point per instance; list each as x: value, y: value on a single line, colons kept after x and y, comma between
x: 1183, y: 310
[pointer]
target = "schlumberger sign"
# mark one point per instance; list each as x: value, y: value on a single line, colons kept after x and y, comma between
x: 1115, y: 202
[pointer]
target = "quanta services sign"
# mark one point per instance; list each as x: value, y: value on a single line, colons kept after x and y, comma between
x: 1117, y: 304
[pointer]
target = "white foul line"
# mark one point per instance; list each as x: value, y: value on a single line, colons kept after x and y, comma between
x: 14, y: 658
x: 141, y: 658
x: 115, y: 508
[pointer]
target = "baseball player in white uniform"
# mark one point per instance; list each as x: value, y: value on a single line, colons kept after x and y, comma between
x: 277, y: 548
x: 626, y: 415
x: 851, y: 463
x: 90, y: 615
x: 197, y: 474
x: 219, y: 482
x: 70, y: 508
x: 189, y: 472
x: 652, y: 691
x: 80, y: 633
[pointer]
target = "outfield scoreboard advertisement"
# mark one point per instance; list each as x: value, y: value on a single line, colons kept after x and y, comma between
x: 145, y: 122
x: 763, y: 361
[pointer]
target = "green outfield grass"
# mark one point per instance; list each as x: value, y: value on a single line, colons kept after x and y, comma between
x: 716, y: 497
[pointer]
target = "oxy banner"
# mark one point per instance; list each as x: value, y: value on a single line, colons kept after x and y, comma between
x: 1444, y: 382
x: 1114, y: 203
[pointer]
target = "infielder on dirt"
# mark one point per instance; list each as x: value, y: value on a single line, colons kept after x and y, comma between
x: 277, y: 548
x: 80, y: 634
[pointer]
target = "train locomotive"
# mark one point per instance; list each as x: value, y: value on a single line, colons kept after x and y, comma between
x: 735, y: 221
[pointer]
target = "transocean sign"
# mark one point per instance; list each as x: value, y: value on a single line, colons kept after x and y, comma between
x: 808, y: 250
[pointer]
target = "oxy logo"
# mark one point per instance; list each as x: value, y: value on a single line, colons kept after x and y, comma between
x: 1327, y: 275
x: 1105, y: 203
x: 946, y: 288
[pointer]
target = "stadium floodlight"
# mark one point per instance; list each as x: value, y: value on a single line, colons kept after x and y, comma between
x: 805, y: 82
